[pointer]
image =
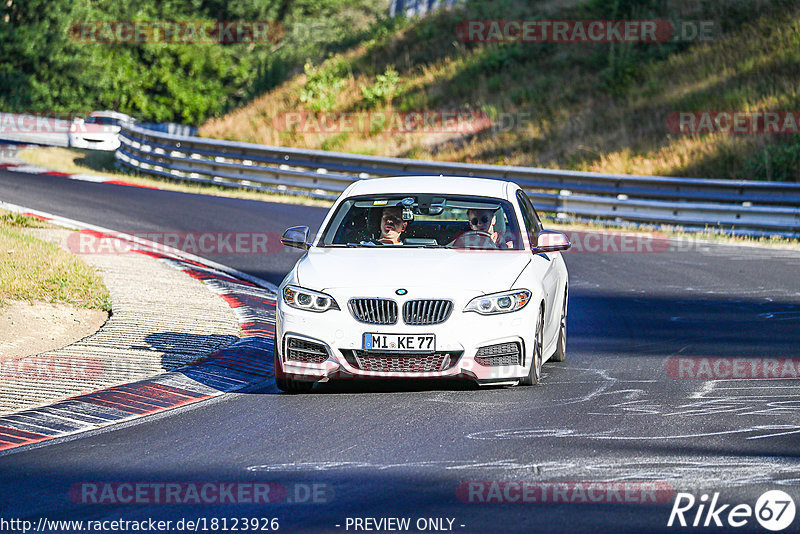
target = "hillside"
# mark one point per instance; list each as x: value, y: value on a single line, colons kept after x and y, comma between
x: 584, y: 106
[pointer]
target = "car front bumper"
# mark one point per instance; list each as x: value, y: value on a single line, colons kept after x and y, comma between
x: 459, y: 337
x: 94, y: 142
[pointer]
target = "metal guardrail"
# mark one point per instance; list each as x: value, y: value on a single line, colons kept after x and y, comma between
x: 169, y: 127
x: 751, y: 206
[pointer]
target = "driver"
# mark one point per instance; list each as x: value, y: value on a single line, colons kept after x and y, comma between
x: 484, y: 221
x: 392, y: 225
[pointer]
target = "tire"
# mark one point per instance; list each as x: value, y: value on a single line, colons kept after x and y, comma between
x: 561, y: 349
x: 288, y: 385
x: 535, y: 373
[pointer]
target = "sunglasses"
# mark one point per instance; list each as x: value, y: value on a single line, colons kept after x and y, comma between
x: 483, y: 220
x: 391, y: 219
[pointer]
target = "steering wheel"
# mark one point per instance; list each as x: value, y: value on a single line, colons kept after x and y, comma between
x: 474, y: 239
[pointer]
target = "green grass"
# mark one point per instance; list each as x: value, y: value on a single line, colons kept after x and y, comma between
x: 34, y: 270
x: 18, y: 220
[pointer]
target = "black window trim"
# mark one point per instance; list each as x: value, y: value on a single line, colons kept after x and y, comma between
x: 526, y: 208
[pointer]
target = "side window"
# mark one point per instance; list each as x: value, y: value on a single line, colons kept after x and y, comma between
x: 529, y: 215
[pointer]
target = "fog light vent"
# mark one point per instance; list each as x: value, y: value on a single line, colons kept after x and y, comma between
x: 499, y: 355
x: 300, y: 350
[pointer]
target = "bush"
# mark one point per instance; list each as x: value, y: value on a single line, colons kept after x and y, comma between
x: 779, y: 162
x: 382, y: 90
x: 322, y: 86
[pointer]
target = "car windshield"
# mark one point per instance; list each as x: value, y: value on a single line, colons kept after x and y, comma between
x: 105, y: 121
x: 430, y: 221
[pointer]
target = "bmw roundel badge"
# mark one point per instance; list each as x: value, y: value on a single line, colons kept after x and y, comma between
x: 401, y: 291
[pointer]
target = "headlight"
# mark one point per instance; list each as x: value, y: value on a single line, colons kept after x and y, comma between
x: 305, y: 299
x: 505, y: 302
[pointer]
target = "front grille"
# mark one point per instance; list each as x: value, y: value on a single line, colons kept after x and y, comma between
x: 425, y: 312
x: 300, y: 350
x: 497, y: 355
x: 374, y: 310
x: 401, y: 363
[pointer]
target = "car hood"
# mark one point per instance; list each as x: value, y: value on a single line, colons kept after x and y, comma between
x: 389, y: 267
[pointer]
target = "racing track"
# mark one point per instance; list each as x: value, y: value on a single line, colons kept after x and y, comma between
x: 610, y: 412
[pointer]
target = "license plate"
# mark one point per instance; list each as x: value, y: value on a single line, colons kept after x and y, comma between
x: 400, y: 342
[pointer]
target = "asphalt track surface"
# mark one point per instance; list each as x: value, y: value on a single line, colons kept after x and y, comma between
x: 610, y: 412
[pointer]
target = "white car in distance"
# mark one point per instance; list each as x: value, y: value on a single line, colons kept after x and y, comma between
x: 423, y: 277
x: 99, y: 131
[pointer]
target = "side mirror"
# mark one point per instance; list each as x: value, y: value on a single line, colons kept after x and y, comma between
x: 551, y: 241
x: 297, y: 237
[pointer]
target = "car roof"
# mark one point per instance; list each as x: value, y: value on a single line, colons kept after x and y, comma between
x: 111, y: 114
x: 446, y: 185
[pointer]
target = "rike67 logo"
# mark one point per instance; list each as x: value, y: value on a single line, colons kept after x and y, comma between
x: 774, y: 510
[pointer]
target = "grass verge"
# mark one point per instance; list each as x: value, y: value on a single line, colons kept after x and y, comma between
x: 35, y: 270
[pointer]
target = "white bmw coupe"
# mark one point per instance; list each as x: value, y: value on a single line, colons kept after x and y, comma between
x: 423, y: 277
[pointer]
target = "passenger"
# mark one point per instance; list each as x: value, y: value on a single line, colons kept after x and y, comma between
x: 484, y: 221
x: 392, y: 225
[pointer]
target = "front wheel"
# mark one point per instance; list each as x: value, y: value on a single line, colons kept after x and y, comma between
x: 288, y: 385
x: 535, y: 372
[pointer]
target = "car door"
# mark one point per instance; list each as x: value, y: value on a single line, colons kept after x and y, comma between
x: 533, y: 227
